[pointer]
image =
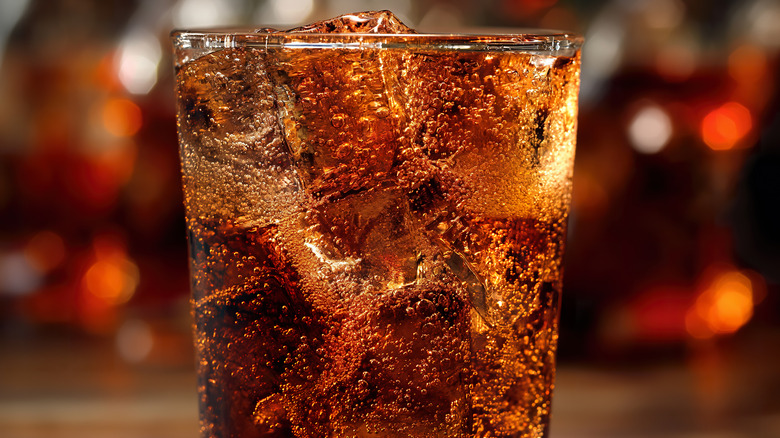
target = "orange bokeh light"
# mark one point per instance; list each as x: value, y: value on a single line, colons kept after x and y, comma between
x: 121, y: 117
x: 112, y: 277
x: 747, y: 63
x: 725, y: 126
x: 724, y: 307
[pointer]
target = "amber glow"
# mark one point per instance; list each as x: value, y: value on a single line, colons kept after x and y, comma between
x: 113, y: 277
x: 110, y: 280
x: 121, y: 117
x: 724, y: 127
x: 747, y: 64
x: 104, y: 76
x: 676, y: 62
x: 536, y: 4
x: 119, y: 161
x: 45, y: 250
x: 722, y: 308
x: 559, y: 18
x: 590, y: 197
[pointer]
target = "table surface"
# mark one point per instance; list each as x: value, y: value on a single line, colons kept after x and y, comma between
x: 66, y: 388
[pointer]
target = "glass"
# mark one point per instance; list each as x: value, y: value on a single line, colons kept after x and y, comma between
x: 376, y: 225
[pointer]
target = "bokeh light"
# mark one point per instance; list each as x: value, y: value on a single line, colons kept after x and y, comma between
x: 10, y: 12
x: 18, y: 276
x: 602, y: 55
x: 664, y: 14
x: 764, y: 15
x: 112, y: 277
x: 747, y: 63
x: 138, y: 60
x: 134, y: 340
x: 725, y: 126
x: 121, y: 117
x: 678, y: 62
x: 650, y: 129
x: 723, y: 307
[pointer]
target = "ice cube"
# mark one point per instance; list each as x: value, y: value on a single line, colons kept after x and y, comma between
x: 481, y: 149
x: 396, y: 353
x: 360, y: 22
x: 372, y: 234
x: 340, y: 110
x: 234, y: 160
x: 486, y: 119
x: 339, y: 118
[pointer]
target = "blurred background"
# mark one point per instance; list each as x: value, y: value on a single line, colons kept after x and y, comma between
x: 671, y: 314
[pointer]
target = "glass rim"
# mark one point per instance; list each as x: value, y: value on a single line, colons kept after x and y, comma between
x: 526, y: 40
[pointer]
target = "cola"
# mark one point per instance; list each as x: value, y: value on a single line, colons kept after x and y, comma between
x: 376, y: 222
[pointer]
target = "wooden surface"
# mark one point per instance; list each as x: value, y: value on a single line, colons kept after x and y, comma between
x: 67, y: 388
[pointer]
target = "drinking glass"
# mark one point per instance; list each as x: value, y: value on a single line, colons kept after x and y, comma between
x: 376, y: 224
